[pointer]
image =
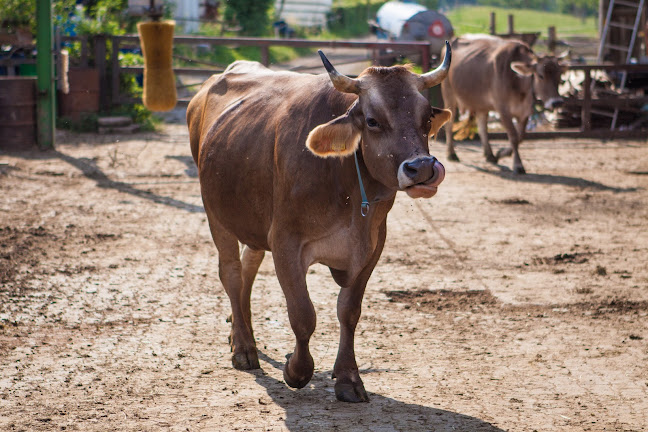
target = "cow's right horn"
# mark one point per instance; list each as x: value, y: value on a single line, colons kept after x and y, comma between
x: 435, y: 77
x: 341, y: 82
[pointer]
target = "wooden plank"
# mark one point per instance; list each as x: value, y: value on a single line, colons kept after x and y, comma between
x: 586, y: 113
x: 574, y: 133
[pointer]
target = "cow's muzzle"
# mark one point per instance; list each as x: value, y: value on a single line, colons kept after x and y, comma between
x: 554, y: 103
x: 420, y: 177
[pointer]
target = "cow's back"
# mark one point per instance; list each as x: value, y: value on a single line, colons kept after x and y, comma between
x: 248, y: 128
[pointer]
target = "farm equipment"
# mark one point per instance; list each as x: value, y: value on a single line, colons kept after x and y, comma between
x: 407, y: 21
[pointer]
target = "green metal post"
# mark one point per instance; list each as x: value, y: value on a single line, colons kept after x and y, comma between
x: 45, y: 71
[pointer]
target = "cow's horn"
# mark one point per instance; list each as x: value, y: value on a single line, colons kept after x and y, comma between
x: 435, y: 77
x: 341, y: 82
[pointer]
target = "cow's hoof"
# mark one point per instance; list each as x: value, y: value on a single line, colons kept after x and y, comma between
x: 297, y: 381
x: 350, y: 392
x: 453, y: 157
x: 504, y: 152
x: 491, y: 158
x: 246, y: 360
x: 519, y: 170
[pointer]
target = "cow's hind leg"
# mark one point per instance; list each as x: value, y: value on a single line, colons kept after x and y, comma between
x: 482, y: 127
x: 291, y: 273
x: 348, y: 384
x: 244, y: 352
x: 250, y: 260
x: 448, y: 98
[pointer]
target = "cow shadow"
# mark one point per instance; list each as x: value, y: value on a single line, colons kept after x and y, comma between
x: 192, y: 169
x: 90, y: 170
x: 314, y: 408
x: 506, y: 173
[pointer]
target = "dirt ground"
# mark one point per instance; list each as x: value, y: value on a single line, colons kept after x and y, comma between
x: 506, y: 302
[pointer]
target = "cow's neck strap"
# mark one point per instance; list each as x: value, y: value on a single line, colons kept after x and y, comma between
x: 364, y: 207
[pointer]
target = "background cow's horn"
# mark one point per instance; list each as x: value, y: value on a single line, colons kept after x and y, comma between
x: 341, y: 82
x: 435, y: 77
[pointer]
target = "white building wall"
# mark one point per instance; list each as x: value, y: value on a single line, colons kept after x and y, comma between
x: 186, y: 12
x: 304, y: 13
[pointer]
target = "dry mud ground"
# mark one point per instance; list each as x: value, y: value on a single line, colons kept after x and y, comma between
x: 506, y: 302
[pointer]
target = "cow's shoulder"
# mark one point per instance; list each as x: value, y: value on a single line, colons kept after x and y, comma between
x: 514, y: 50
x: 246, y: 67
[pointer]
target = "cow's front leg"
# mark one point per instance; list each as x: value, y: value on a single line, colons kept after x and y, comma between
x: 348, y: 385
x: 299, y: 367
x: 520, y: 126
x: 514, y: 138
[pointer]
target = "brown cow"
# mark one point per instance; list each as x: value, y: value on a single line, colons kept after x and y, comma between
x: 275, y: 155
x: 489, y: 73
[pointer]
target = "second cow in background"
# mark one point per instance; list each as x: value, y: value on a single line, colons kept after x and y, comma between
x: 489, y: 73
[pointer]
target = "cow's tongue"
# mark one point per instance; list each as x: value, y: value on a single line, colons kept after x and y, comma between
x: 429, y: 188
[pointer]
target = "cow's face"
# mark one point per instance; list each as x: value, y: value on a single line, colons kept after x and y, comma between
x: 546, y: 72
x: 391, y: 121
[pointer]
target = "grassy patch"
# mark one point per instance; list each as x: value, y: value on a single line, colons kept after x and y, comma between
x: 476, y: 19
x: 221, y: 55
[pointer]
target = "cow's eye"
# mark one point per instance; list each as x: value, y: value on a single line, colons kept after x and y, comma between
x: 372, y: 123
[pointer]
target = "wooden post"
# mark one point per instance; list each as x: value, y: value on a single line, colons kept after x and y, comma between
x: 645, y: 32
x: 491, y: 26
x: 511, y: 30
x: 425, y: 59
x: 84, y: 51
x: 100, y: 64
x: 551, y: 43
x: 114, y: 63
x: 586, y: 113
x: 265, y: 55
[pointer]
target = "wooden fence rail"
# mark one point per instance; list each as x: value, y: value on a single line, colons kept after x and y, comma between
x: 418, y: 47
x: 587, y: 102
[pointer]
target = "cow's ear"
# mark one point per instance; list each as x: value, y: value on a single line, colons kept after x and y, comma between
x: 525, y: 69
x: 337, y: 138
x: 438, y: 119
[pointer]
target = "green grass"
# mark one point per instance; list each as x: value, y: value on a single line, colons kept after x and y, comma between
x: 224, y: 55
x: 476, y: 19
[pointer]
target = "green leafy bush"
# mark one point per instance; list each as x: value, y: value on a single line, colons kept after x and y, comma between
x: 251, y: 15
x: 16, y: 14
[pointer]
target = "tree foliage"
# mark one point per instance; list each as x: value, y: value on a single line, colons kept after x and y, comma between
x: 251, y: 15
x: 579, y: 8
x: 22, y: 13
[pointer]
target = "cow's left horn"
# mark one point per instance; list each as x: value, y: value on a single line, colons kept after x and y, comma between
x: 341, y: 82
x: 435, y: 77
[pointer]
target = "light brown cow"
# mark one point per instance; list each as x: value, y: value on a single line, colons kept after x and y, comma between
x: 489, y: 73
x: 275, y: 155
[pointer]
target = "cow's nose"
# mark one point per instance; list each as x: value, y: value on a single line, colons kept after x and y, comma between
x: 420, y: 169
